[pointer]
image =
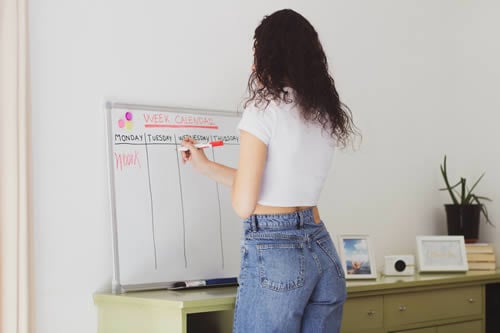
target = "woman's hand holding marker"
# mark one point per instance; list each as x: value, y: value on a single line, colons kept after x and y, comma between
x: 192, y: 151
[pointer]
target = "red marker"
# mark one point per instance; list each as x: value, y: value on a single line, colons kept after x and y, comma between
x: 203, y: 145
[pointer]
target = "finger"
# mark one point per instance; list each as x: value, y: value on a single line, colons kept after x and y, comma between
x: 189, y: 139
x: 189, y: 145
x: 186, y: 155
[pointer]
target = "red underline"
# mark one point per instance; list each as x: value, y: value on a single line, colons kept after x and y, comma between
x: 180, y: 126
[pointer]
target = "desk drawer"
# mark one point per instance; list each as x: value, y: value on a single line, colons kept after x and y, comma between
x: 362, y: 313
x: 475, y: 326
x: 424, y: 306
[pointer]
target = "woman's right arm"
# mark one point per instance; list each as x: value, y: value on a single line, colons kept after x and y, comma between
x: 245, y: 182
x: 248, y: 178
x: 219, y: 172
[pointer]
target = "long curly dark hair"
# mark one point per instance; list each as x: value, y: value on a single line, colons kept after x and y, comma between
x: 288, y: 53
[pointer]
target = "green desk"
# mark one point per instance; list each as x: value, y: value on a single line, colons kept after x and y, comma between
x: 424, y: 303
x: 165, y: 311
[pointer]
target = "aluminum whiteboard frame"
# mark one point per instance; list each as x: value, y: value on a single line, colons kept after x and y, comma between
x: 116, y: 285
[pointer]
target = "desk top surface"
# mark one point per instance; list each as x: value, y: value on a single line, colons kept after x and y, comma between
x: 422, y: 280
x: 219, y: 296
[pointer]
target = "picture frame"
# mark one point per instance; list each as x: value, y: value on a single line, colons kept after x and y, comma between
x: 441, y: 254
x: 358, y: 257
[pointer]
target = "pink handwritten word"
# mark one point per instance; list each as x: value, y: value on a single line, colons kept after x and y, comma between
x: 156, y: 118
x: 124, y: 160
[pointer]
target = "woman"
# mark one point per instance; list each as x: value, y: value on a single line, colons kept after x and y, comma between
x: 291, y: 279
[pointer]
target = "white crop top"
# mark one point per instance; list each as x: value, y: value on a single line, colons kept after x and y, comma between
x: 299, y: 154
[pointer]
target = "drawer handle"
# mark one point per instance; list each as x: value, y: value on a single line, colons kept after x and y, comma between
x: 472, y: 300
x: 371, y: 313
x: 402, y: 308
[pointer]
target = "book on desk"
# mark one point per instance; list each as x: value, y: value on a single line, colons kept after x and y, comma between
x: 480, y: 256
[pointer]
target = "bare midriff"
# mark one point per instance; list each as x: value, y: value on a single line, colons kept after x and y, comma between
x: 269, y: 210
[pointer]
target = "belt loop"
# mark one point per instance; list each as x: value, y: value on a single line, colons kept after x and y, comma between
x: 301, y: 219
x: 254, y: 224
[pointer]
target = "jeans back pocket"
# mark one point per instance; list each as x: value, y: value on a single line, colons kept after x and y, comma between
x: 281, y: 265
x: 326, y: 244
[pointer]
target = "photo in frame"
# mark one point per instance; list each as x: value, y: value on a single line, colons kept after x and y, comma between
x: 358, y: 257
x: 441, y: 254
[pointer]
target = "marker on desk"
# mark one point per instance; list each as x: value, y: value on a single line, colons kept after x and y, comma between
x: 205, y: 283
x: 203, y: 145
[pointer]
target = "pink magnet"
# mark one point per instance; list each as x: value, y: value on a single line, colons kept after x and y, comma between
x: 128, y: 115
x: 121, y: 123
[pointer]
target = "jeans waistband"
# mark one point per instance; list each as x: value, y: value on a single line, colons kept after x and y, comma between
x: 295, y: 220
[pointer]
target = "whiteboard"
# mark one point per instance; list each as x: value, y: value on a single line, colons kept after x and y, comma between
x: 169, y: 223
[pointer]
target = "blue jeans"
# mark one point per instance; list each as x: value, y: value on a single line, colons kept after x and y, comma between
x: 291, y: 279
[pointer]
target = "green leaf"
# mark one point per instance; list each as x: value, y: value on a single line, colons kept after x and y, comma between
x: 482, y: 198
x: 446, y: 189
x: 483, y: 210
x: 463, y: 191
x: 445, y: 177
x: 474, y: 186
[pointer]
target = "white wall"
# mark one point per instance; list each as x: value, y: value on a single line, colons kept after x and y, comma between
x: 420, y: 77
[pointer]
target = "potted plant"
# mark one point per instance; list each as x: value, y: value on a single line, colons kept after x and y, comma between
x: 464, y: 214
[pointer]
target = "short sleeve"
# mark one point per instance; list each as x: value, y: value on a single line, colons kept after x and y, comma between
x: 257, y: 122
